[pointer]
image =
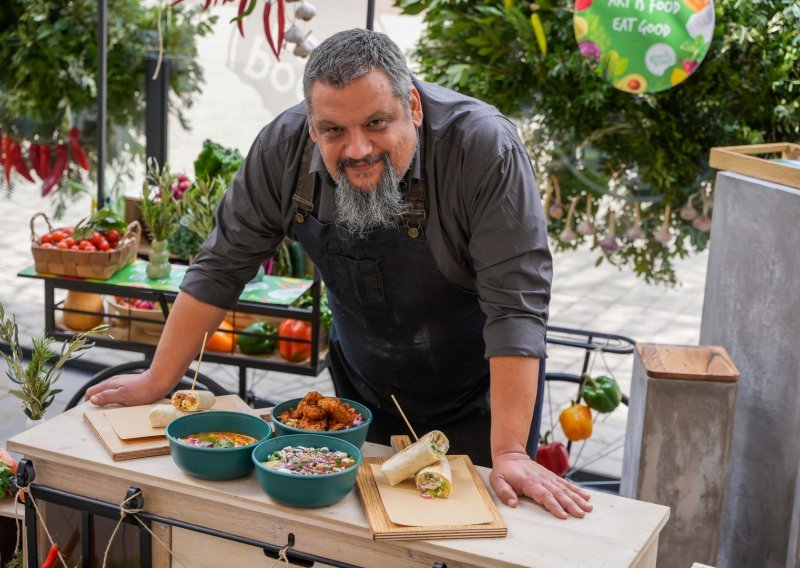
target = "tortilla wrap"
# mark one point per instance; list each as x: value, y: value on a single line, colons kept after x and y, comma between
x: 410, y: 460
x: 193, y: 400
x: 161, y: 415
x: 435, y: 479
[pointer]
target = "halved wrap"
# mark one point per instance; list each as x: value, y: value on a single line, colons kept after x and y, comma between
x: 193, y: 400
x: 161, y: 415
x: 435, y: 479
x: 410, y: 460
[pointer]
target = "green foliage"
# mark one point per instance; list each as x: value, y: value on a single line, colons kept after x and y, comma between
x: 159, y: 210
x: 622, y: 149
x: 16, y: 560
x: 48, y: 79
x: 184, y: 243
x: 216, y: 161
x: 198, y: 206
x: 325, y: 315
x: 6, y: 487
x: 36, y: 379
x: 103, y: 220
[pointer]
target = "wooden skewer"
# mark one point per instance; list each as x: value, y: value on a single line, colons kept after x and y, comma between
x: 403, y: 414
x: 199, y: 360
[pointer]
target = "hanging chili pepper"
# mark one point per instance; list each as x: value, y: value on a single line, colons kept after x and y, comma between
x: 553, y: 455
x: 33, y: 156
x: 52, y: 556
x: 77, y: 150
x: 207, y: 4
x: 18, y: 160
x: 281, y: 26
x: 59, y: 166
x: 7, y: 164
x: 576, y: 421
x: 267, y: 29
x: 44, y: 161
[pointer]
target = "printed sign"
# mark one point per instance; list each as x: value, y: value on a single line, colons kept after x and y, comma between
x: 644, y: 46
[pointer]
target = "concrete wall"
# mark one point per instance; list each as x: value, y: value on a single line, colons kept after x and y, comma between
x: 752, y: 308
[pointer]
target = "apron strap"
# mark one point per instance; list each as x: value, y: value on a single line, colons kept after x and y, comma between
x: 303, y: 196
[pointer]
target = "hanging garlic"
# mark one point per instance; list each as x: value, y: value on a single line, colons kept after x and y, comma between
x: 586, y: 227
x: 305, y: 11
x: 303, y: 49
x: 294, y: 35
x: 609, y: 242
x: 636, y: 233
x: 556, y: 210
x: 703, y: 222
x: 664, y: 233
x: 688, y: 212
x: 568, y: 235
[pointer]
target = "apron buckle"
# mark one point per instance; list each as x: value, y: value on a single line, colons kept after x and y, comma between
x: 414, y: 231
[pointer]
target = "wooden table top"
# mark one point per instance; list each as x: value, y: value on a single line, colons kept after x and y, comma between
x: 617, y: 533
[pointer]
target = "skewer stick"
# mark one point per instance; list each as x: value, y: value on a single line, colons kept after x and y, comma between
x: 403, y: 414
x: 199, y: 360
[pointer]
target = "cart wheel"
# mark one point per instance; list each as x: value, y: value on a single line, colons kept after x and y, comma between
x: 203, y: 382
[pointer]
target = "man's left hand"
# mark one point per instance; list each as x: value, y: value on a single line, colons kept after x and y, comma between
x: 516, y: 475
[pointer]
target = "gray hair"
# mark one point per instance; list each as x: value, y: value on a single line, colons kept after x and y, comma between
x: 349, y: 55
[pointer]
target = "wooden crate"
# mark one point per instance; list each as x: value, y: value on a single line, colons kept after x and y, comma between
x: 745, y: 160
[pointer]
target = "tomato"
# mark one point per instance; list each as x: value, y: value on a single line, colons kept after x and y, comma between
x: 48, y: 246
x: 46, y: 238
x: 295, y: 351
x: 87, y: 246
x: 104, y: 246
x: 70, y: 241
x: 56, y: 236
x: 96, y: 239
x: 62, y: 245
x: 74, y: 247
x: 112, y: 236
x: 68, y: 231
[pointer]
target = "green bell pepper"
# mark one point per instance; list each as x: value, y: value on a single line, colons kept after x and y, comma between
x: 259, y: 343
x: 601, y: 393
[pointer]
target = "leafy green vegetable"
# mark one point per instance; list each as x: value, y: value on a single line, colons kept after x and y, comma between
x: 184, y: 243
x: 216, y: 161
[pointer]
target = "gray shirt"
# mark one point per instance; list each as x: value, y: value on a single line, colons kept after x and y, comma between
x: 486, y: 228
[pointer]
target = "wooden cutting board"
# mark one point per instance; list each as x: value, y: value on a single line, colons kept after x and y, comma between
x: 384, y: 529
x: 121, y: 450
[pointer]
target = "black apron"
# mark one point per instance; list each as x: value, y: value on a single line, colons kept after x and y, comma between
x: 400, y: 327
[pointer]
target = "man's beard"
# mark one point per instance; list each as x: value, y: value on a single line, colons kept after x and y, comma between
x: 377, y: 206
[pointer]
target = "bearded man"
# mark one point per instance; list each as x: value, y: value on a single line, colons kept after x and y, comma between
x: 419, y: 208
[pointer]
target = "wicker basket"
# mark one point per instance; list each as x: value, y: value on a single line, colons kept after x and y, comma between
x: 80, y: 263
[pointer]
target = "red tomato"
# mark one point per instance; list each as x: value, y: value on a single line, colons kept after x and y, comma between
x: 113, y: 236
x: 70, y: 241
x: 48, y: 246
x: 68, y: 231
x: 56, y: 236
x: 46, y: 238
x: 104, y: 245
x: 295, y: 351
x: 62, y: 245
x: 87, y: 246
x: 96, y: 239
x: 74, y: 247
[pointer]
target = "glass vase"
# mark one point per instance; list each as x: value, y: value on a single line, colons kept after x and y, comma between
x: 158, y: 265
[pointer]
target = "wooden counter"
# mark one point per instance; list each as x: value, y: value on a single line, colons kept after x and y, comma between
x: 66, y: 456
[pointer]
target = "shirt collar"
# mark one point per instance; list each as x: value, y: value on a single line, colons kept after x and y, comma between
x: 415, y: 172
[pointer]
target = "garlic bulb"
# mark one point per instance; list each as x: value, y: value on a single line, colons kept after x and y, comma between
x: 586, y: 227
x: 303, y: 49
x: 568, y: 235
x: 305, y: 11
x: 636, y: 233
x: 688, y: 212
x: 664, y: 233
x: 556, y: 209
x: 703, y: 222
x: 294, y: 35
x: 609, y: 242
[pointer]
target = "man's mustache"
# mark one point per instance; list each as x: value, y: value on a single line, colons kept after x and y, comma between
x: 369, y: 160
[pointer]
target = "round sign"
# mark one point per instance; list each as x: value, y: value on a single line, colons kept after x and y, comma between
x: 644, y: 46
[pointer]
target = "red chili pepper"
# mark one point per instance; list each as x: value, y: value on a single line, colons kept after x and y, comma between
x: 281, y: 26
x: 207, y: 4
x: 77, y: 150
x: 240, y: 16
x: 58, y: 169
x: 44, y: 161
x: 52, y: 556
x: 33, y: 156
x: 267, y: 29
x: 7, y: 164
x: 553, y: 456
x: 176, y: 2
x: 19, y: 162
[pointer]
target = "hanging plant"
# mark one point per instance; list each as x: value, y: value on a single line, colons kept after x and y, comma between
x: 626, y: 150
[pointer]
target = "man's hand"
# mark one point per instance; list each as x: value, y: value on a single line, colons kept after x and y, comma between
x: 515, y: 475
x: 128, y: 390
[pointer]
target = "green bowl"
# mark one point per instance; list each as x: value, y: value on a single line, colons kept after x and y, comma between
x: 356, y: 435
x: 305, y: 490
x: 215, y: 463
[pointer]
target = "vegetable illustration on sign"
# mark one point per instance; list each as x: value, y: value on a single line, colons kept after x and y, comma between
x: 644, y: 46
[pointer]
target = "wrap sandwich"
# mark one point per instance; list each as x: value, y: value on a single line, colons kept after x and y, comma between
x: 160, y: 416
x: 193, y: 400
x: 436, y: 479
x: 410, y: 460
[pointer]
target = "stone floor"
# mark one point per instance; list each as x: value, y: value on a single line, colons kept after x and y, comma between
x: 246, y: 88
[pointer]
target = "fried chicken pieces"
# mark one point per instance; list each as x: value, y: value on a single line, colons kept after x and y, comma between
x: 320, y: 413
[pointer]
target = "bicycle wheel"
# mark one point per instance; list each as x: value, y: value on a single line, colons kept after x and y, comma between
x: 203, y: 381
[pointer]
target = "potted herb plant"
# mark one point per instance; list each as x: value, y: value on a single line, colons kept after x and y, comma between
x: 36, y: 378
x: 160, y: 213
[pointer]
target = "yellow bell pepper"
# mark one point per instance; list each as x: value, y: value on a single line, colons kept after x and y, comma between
x: 576, y: 421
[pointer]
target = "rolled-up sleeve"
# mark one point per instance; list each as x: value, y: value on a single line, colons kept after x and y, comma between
x: 512, y: 260
x: 249, y: 228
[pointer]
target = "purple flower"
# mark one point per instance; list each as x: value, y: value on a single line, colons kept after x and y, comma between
x: 589, y: 49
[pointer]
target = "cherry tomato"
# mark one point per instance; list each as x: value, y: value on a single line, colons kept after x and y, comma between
x: 104, y: 245
x: 70, y: 241
x: 74, y: 247
x: 96, y: 239
x: 56, y: 236
x: 48, y: 246
x: 68, y: 230
x: 46, y: 238
x: 86, y: 245
x: 113, y: 236
x: 62, y: 245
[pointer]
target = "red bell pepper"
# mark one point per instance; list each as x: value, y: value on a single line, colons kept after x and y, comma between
x: 553, y: 456
x: 300, y: 331
x: 77, y: 150
x: 59, y: 166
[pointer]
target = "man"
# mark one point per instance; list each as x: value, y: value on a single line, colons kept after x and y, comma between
x: 419, y: 208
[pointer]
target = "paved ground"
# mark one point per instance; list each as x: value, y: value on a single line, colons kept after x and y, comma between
x: 245, y: 88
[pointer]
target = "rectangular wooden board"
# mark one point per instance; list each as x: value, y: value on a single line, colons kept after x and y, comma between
x: 121, y: 450
x: 745, y: 160
x: 384, y: 529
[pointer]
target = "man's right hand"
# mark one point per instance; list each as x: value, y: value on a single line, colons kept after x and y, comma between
x: 127, y: 390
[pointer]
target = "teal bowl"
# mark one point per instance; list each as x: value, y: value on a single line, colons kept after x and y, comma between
x: 356, y: 435
x: 305, y: 490
x: 215, y: 463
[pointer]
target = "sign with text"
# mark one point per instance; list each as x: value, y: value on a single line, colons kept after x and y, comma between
x: 644, y: 46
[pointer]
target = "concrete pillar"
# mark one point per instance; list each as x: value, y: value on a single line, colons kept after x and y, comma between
x: 677, y: 444
x: 752, y: 308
